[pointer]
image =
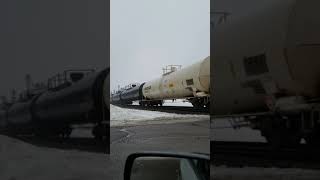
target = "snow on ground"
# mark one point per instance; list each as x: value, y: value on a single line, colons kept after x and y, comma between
x: 123, y: 116
x: 178, y: 102
x: 224, y: 173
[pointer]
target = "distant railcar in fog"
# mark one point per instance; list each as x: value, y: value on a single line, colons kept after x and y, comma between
x: 74, y: 97
x: 191, y: 83
x: 266, y: 67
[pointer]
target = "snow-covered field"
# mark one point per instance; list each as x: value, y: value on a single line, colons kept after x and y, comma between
x: 178, y: 102
x: 122, y: 117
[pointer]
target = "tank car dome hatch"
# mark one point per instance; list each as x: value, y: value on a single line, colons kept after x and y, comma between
x: 170, y: 69
x: 130, y: 86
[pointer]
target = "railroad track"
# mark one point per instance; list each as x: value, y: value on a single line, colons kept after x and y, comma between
x: 240, y: 154
x: 169, y: 109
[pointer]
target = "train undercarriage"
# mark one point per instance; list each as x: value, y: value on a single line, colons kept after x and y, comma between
x: 151, y: 103
x: 285, y: 127
x: 197, y: 102
x: 289, y: 130
x: 99, y: 131
x: 200, y: 102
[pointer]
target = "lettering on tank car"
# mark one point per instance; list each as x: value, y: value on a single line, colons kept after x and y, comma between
x: 255, y: 65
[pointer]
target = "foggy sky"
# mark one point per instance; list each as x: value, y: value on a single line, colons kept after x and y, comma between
x: 146, y: 35
x: 43, y: 38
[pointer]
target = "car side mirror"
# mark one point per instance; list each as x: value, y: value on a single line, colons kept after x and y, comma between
x: 168, y: 166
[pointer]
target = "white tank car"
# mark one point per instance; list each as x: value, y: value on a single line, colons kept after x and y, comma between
x: 263, y: 48
x: 192, y: 82
x: 266, y: 58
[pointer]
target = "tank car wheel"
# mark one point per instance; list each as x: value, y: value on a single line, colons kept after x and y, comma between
x: 277, y: 134
x: 142, y: 104
x: 196, y: 105
x: 278, y: 140
x: 280, y: 137
x: 207, y: 106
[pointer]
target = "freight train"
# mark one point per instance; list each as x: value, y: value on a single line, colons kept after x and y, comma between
x: 72, y: 98
x: 266, y: 67
x: 191, y: 83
